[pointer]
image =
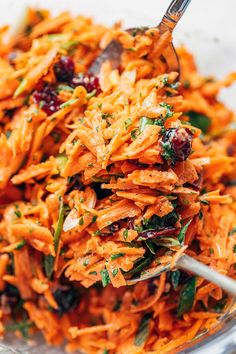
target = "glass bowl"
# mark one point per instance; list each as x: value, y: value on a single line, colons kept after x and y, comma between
x: 208, y: 31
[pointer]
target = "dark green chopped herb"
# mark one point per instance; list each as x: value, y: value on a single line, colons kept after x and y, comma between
x: 167, y: 152
x: 70, y: 44
x: 219, y: 307
x: 17, y: 213
x: 169, y: 112
x: 115, y: 272
x: 156, y: 222
x: 29, y: 120
x: 63, y: 87
x: 175, y: 276
x: 8, y: 134
x: 106, y: 115
x: 48, y: 265
x: 205, y: 202
x: 105, y: 277
x: 97, y: 233
x: 234, y: 249
x: 125, y: 234
x: 150, y: 246
x: 59, y: 227
x: 134, y: 134
x: 56, y: 136
x: 128, y: 123
x: 93, y: 272
x: 81, y: 221
x: 143, y: 330
x: 90, y: 164
x: 86, y: 262
x: 186, y: 84
x: 174, y: 85
x: 141, y: 265
x: 166, y: 242
x: 68, y: 103
x: 211, y: 250
x: 199, y: 121
x: 164, y: 80
x: 49, y: 260
x: 117, y: 305
x: 143, y: 122
x: 20, y: 245
x: 232, y: 231
x: 105, y: 351
x: 181, y: 235
x: 186, y: 297
x: 117, y: 255
x: 94, y: 218
x: 23, y: 327
x: 200, y: 214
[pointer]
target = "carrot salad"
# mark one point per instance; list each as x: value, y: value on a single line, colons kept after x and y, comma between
x: 105, y: 177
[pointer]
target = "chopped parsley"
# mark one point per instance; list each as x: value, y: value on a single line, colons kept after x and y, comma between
x: 105, y: 277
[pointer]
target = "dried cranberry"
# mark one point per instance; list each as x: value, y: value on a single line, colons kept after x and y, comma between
x: 66, y: 299
x: 47, y: 98
x: 64, y: 69
x: 89, y: 81
x: 177, y: 144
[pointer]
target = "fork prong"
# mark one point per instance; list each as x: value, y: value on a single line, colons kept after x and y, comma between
x: 111, y: 53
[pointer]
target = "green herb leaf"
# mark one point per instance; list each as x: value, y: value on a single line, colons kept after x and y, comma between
x: 49, y: 259
x: 140, y: 265
x: 199, y: 121
x: 59, y: 227
x: 93, y: 272
x: 23, y: 327
x: 219, y: 307
x: 181, y: 235
x: 68, y: 103
x: 128, y: 122
x: 63, y: 87
x: 69, y: 45
x: 20, y: 245
x: 149, y: 245
x: 105, y: 277
x: 145, y: 121
x: 115, y: 272
x: 117, y: 305
x: 48, y: 265
x: 232, y: 231
x: 61, y: 161
x: 125, y: 234
x: 175, y: 276
x: 117, y: 255
x: 143, y: 330
x: 18, y: 213
x: 166, y: 242
x: 186, y: 297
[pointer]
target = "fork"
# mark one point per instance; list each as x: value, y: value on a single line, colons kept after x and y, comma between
x: 112, y: 53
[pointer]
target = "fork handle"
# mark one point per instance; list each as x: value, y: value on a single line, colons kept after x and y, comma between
x: 173, y: 14
x: 192, y: 265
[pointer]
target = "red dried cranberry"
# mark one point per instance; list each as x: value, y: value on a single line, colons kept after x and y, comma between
x: 64, y: 69
x: 47, y: 99
x: 177, y: 144
x: 89, y: 81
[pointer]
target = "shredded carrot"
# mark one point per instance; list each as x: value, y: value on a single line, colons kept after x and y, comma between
x: 108, y: 177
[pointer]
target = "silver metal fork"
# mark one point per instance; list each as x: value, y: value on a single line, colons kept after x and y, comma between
x: 113, y: 51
